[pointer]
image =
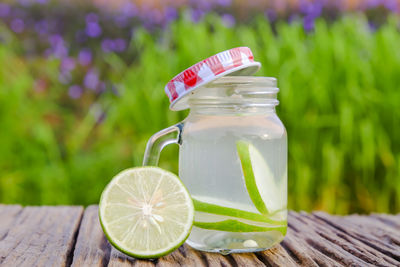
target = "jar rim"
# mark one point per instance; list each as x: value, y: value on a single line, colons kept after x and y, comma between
x: 230, y: 91
x: 254, y: 81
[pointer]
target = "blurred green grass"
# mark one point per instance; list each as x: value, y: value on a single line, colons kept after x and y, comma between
x: 339, y: 102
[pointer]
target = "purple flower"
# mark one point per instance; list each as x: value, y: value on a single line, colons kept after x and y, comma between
x: 228, y: 20
x: 107, y: 45
x: 119, y: 45
x: 129, y: 10
x: 25, y: 2
x: 204, y: 5
x: 372, y: 26
x: 55, y: 39
x: 224, y: 3
x: 271, y: 14
x: 311, y: 9
x: 391, y: 5
x: 92, y: 17
x: 4, y: 10
x: 58, y: 48
x: 370, y: 4
x: 42, y: 2
x: 67, y: 64
x: 293, y: 17
x: 196, y: 15
x: 17, y: 25
x: 170, y: 14
x: 154, y: 16
x: 75, y: 91
x: 91, y: 79
x: 93, y: 29
x: 85, y: 57
x: 41, y: 27
x: 308, y: 23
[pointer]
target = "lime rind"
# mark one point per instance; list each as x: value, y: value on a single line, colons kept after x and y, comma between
x: 266, y: 193
x: 249, y: 176
x: 140, y: 253
x: 200, y: 206
x: 237, y: 226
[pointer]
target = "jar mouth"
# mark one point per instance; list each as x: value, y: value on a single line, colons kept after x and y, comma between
x: 253, y: 81
x: 237, y: 91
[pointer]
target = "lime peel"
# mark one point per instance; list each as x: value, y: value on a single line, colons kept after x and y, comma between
x: 249, y: 176
x: 231, y: 212
x: 237, y: 226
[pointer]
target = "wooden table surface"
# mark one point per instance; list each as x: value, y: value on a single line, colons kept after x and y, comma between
x: 72, y: 236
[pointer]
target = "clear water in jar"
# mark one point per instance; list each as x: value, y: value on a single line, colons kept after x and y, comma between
x: 211, y: 169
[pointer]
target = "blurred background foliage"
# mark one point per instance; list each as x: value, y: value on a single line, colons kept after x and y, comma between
x: 81, y: 91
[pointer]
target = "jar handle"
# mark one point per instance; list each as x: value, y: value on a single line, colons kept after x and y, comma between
x: 156, y: 143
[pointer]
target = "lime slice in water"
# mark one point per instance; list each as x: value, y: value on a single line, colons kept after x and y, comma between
x: 214, y: 209
x: 146, y: 212
x: 214, y: 217
x: 259, y: 179
x: 238, y: 226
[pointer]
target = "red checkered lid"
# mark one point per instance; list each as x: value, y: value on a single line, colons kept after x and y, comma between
x: 236, y: 61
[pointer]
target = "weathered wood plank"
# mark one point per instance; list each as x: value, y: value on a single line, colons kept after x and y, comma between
x: 391, y: 220
x: 347, y: 250
x: 355, y: 228
x: 8, y: 214
x: 289, y: 253
x: 215, y: 259
x: 310, y: 241
x: 297, y: 244
x: 384, y: 229
x: 92, y: 247
x: 118, y: 259
x: 185, y: 256
x: 246, y: 259
x: 41, y: 236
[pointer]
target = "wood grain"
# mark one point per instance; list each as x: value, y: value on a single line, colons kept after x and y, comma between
x: 41, y: 236
x: 92, y: 247
x: 44, y: 236
x: 8, y: 214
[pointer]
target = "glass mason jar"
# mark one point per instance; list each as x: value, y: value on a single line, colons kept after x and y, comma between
x: 233, y: 161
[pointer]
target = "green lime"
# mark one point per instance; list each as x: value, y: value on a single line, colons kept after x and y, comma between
x: 210, y: 208
x: 146, y: 212
x: 258, y: 178
x: 238, y: 226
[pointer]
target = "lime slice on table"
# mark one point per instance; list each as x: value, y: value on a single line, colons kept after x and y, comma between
x: 146, y: 212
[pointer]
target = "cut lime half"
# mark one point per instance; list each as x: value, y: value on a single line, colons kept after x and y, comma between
x: 146, y: 212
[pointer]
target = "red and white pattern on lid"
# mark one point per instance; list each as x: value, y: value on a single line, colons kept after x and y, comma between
x: 207, y: 70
